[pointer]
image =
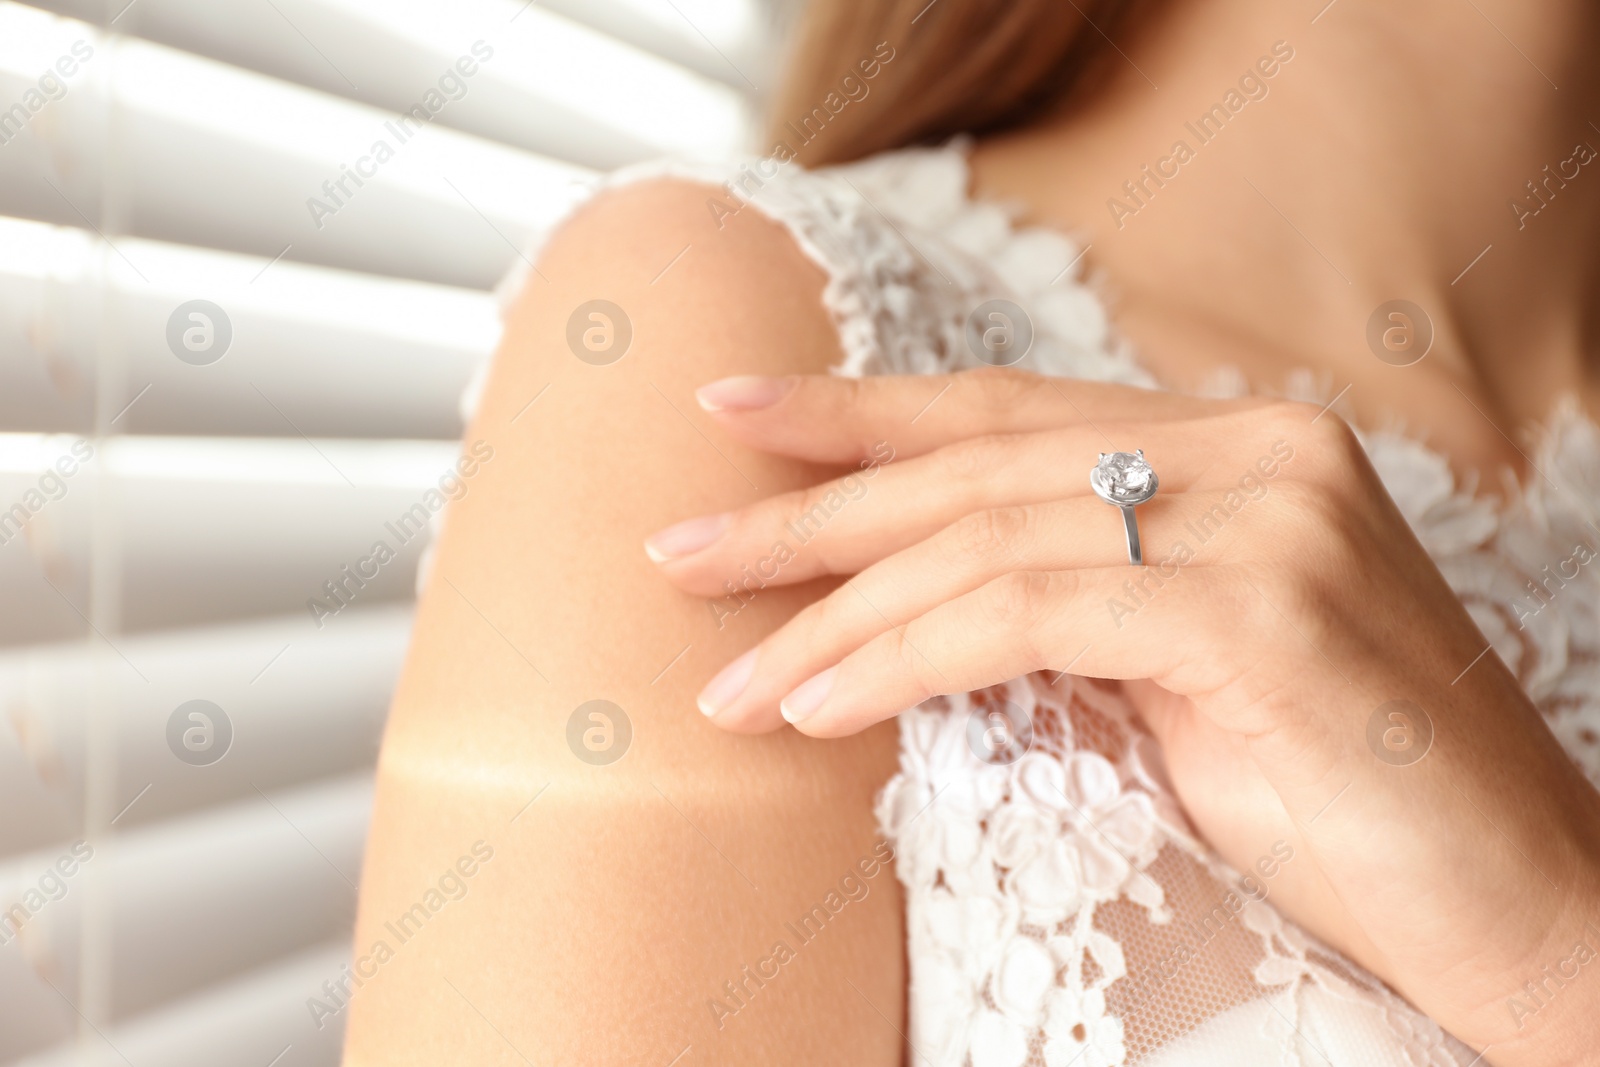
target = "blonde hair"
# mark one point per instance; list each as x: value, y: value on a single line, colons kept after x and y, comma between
x: 951, y: 66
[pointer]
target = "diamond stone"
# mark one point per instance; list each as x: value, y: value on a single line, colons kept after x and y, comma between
x: 1124, y: 476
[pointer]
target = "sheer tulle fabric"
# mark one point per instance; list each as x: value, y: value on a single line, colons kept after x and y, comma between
x: 1061, y: 910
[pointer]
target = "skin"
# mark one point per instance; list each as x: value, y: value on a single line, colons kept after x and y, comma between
x: 617, y: 904
x: 1382, y: 159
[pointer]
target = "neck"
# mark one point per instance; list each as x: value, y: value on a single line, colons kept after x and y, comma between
x: 1257, y: 220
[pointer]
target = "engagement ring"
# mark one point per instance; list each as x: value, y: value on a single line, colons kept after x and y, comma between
x: 1126, y: 480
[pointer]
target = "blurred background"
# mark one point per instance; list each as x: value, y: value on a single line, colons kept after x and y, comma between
x: 247, y: 249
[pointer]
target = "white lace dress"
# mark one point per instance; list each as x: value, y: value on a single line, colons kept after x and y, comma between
x: 1060, y: 909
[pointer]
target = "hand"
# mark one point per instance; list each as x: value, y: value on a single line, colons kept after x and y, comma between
x: 1283, y: 603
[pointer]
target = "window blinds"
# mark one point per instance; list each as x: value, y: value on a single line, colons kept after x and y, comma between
x: 246, y: 251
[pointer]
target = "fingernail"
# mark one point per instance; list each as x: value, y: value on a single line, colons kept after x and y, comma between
x: 804, y: 701
x: 747, y: 392
x: 685, y: 537
x: 725, y: 688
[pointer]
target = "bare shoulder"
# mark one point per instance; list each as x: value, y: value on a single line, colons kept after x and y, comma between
x: 644, y: 864
x: 643, y: 295
x: 682, y: 254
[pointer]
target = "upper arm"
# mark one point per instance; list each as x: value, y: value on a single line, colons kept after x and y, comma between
x: 621, y: 900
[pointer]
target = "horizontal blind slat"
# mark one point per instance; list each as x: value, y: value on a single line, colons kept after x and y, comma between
x: 526, y: 76
x: 722, y: 40
x: 198, y: 900
x: 246, y: 1021
x: 299, y: 704
x: 310, y: 350
x: 212, y: 156
x: 215, y: 529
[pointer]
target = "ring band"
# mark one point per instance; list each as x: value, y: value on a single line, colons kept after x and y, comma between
x: 1125, y: 480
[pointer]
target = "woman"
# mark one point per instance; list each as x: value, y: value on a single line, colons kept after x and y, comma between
x: 1310, y: 784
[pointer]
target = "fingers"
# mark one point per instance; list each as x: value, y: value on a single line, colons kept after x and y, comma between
x: 986, y: 518
x: 843, y: 526
x: 835, y: 420
x: 1024, y: 621
x: 1080, y: 533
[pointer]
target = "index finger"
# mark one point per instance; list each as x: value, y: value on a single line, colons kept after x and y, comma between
x: 835, y: 420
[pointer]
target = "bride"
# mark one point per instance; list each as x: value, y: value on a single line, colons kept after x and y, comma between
x: 1118, y: 483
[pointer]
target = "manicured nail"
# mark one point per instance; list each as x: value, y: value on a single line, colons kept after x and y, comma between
x: 804, y: 701
x: 725, y: 688
x: 747, y: 392
x: 684, y: 538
